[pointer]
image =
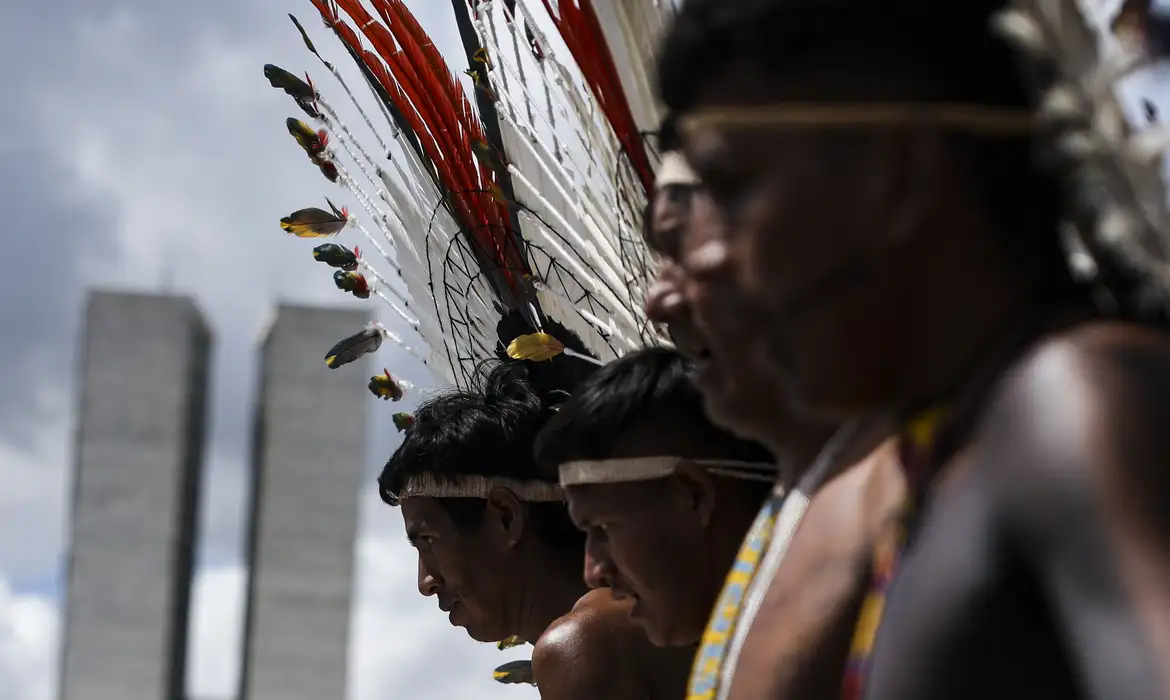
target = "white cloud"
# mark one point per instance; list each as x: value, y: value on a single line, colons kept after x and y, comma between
x: 215, y: 632
x: 28, y: 645
x: 181, y: 139
x: 34, y: 486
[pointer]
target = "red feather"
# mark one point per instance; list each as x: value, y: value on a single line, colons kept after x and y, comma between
x: 581, y: 30
x: 432, y: 100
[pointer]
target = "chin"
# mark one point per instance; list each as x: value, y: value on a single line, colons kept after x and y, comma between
x: 656, y: 636
x: 670, y: 638
x: 487, y: 634
x: 731, y: 412
x: 830, y: 401
x: 485, y: 638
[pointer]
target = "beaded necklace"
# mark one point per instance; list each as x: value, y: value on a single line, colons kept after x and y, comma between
x: 915, y: 449
x: 760, y: 554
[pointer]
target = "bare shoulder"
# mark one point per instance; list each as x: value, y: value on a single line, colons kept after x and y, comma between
x: 1085, y: 410
x: 1072, y: 387
x: 586, y: 652
x: 594, y: 624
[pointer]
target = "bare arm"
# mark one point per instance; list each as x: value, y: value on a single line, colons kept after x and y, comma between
x: 1079, y: 447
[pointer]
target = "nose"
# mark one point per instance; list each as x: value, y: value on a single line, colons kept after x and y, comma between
x: 665, y: 301
x: 668, y: 213
x: 428, y: 583
x: 709, y: 261
x: 599, y: 569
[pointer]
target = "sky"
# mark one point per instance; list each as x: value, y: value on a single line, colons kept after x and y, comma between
x: 146, y: 151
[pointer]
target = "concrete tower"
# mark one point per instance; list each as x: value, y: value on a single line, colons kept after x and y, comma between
x: 143, y: 403
x: 308, y: 466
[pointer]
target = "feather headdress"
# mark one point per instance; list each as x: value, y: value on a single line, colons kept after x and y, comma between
x: 1086, y: 58
x: 504, y: 209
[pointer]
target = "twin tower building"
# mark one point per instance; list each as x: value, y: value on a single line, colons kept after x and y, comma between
x: 141, y: 431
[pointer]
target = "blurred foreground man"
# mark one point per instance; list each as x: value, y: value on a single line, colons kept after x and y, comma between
x: 870, y: 168
x: 792, y: 637
x: 663, y: 496
x: 757, y: 409
x: 497, y: 548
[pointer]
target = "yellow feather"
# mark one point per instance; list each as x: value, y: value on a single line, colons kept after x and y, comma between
x: 303, y: 230
x: 537, y: 347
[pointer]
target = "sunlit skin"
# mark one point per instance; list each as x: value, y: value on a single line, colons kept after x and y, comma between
x: 498, y: 579
x: 752, y: 402
x: 665, y: 545
x: 799, y: 640
x: 478, y: 575
x: 886, y: 287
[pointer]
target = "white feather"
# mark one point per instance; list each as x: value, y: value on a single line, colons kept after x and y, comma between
x: 1119, y: 155
x: 579, y: 203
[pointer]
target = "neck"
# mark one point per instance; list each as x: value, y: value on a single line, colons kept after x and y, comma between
x: 860, y: 439
x: 984, y: 298
x: 551, y: 586
x: 797, y: 444
x: 728, y: 538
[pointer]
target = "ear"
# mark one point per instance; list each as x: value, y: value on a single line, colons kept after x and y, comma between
x: 919, y: 168
x: 698, y: 488
x: 507, y: 514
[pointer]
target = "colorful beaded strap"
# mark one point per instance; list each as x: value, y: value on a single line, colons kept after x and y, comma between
x: 915, y: 447
x: 713, y: 649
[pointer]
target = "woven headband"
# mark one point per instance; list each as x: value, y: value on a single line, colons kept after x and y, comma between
x: 613, y: 471
x: 969, y: 118
x: 474, y: 486
x: 674, y: 170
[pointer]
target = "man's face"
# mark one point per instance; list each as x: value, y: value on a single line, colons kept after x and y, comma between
x: 739, y: 399
x: 646, y: 545
x: 807, y: 219
x: 463, y: 568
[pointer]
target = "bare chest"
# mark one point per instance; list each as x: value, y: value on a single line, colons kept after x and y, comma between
x: 799, y: 642
x: 963, y: 618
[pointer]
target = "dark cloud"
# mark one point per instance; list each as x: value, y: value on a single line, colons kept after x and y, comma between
x: 147, y: 147
x: 53, y: 236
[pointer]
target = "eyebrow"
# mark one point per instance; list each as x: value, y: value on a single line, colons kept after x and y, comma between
x: 709, y: 160
x: 579, y: 517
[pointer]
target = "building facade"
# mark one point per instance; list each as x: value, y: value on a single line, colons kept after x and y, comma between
x: 308, y: 465
x: 138, y: 462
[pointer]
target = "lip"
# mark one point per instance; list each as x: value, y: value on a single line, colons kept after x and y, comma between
x: 686, y: 340
x: 707, y: 369
x: 448, y: 605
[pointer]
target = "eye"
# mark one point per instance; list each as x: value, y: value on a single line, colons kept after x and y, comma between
x: 599, y: 531
x: 419, y: 541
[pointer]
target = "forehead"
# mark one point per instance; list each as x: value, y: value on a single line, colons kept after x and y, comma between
x: 631, y: 498
x: 422, y: 513
x: 817, y: 77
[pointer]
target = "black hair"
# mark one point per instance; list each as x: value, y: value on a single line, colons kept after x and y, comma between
x: 950, y: 45
x: 487, y: 430
x: 668, y: 136
x: 642, y: 387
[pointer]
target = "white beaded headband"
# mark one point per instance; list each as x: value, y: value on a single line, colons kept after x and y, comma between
x: 475, y: 486
x: 675, y: 170
x: 612, y: 471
